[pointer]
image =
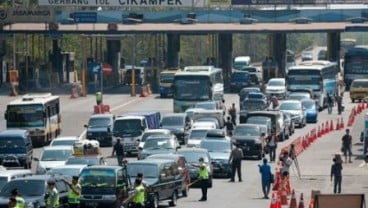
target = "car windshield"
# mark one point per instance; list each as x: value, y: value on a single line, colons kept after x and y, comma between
x: 82, y: 161
x: 159, y: 143
x: 198, y: 134
x: 101, y: 178
x: 206, y: 105
x: 255, y: 96
x: 254, y: 105
x: 276, y: 83
x: 147, y: 134
x: 56, y: 155
x: 98, y: 122
x: 148, y: 170
x: 25, y: 188
x: 246, y: 131
x: 290, y: 106
x: 223, y: 146
x: 172, y: 121
x: 357, y: 84
x: 309, y: 104
x: 193, y: 157
x: 12, y: 145
x: 63, y: 142
x: 64, y: 171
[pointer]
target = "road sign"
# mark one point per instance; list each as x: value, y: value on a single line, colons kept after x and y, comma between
x: 106, y: 69
x: 84, y: 17
x: 94, y: 67
x: 27, y: 15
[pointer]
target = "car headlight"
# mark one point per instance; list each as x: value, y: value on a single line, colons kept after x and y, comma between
x: 109, y: 197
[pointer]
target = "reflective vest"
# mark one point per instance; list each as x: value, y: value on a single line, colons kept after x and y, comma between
x: 73, y: 198
x: 203, y: 172
x: 139, y: 196
x: 53, y: 199
x: 20, y: 202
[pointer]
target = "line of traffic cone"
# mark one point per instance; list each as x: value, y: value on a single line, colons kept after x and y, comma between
x: 331, y: 125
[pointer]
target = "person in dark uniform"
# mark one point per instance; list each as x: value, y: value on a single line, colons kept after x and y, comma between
x: 229, y: 126
x: 336, y: 169
x: 236, y: 157
x: 119, y: 150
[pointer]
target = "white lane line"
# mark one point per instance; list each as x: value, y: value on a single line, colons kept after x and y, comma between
x: 81, y: 136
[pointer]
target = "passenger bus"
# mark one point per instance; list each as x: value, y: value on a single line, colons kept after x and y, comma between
x: 345, y: 45
x: 37, y: 113
x: 355, y: 64
x: 319, y: 76
x: 289, y: 60
x: 197, y: 84
x: 166, y: 82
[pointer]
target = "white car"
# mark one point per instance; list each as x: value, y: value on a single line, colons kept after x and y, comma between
x: 195, y: 137
x: 53, y: 156
x: 64, y: 141
x: 277, y: 87
x: 297, y: 111
x: 204, y: 125
x: 151, y: 132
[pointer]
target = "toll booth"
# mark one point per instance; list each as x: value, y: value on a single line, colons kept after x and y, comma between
x: 67, y: 67
x: 269, y: 69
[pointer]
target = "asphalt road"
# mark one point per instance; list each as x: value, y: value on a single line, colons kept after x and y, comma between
x: 314, y: 162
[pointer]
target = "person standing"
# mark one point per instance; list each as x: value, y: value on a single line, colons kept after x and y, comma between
x: 329, y: 103
x: 203, y: 179
x: 232, y: 113
x: 336, y: 169
x: 266, y: 174
x: 139, y: 196
x: 20, y: 203
x: 229, y: 126
x: 339, y: 104
x: 236, y: 157
x: 272, y: 146
x: 274, y: 101
x: 52, y: 199
x: 119, y: 150
x: 346, y: 145
x: 74, y: 192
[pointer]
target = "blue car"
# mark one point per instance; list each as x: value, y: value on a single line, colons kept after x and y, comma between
x: 311, y: 110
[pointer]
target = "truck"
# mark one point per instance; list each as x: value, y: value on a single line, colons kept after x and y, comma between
x: 130, y: 127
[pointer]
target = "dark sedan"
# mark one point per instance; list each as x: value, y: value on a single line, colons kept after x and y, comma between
x: 248, y: 137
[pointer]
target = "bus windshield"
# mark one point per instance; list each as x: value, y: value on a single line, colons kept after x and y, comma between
x: 167, y: 77
x: 184, y: 86
x: 297, y: 79
x: 25, y: 116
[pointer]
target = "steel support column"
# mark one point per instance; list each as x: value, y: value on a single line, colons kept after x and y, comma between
x: 333, y: 46
x: 173, y: 48
x: 225, y: 49
x: 278, y: 51
x: 113, y: 58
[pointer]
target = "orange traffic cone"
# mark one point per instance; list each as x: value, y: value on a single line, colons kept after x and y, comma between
x: 273, y: 201
x: 327, y: 127
x: 322, y: 129
x: 319, y: 132
x: 311, y: 203
x: 284, y: 200
x: 301, y: 202
x: 144, y: 92
x: 338, y: 124
x: 331, y: 125
x: 278, y: 202
x: 292, y: 200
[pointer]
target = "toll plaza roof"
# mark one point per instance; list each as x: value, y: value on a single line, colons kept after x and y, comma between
x: 102, y: 28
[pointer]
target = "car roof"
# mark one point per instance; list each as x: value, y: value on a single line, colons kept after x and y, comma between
x: 360, y: 80
x: 174, y: 115
x: 247, y: 124
x: 70, y: 166
x: 13, y: 132
x: 36, y: 177
x: 277, y: 79
x: 163, y: 136
x: 215, y: 133
x: 60, y: 147
x: 66, y: 138
x: 14, y: 172
x: 291, y: 101
x: 164, y: 131
x: 102, y: 115
x: 150, y: 161
x: 193, y: 150
x: 167, y: 156
x: 264, y: 113
x: 102, y: 167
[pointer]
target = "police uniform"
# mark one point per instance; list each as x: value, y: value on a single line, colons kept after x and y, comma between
x: 20, y: 202
x: 52, y: 200
x: 139, y: 198
x: 203, y: 180
x: 73, y: 197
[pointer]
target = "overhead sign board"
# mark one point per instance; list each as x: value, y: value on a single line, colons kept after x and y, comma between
x: 124, y: 3
x: 219, y: 2
x: 84, y: 17
x: 26, y: 15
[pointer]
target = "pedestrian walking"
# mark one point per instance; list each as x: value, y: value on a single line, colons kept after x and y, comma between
x: 265, y: 170
x: 203, y: 179
x: 52, y: 196
x: 339, y: 104
x: 272, y: 146
x: 274, y: 101
x: 74, y: 192
x: 329, y: 103
x: 229, y: 126
x: 119, y: 151
x: 232, y: 113
x: 236, y: 157
x: 20, y: 203
x: 336, y: 169
x: 346, y: 146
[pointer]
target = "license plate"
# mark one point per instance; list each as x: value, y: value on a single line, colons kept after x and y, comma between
x: 91, y: 204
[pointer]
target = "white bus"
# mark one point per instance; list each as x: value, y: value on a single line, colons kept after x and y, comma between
x: 197, y: 84
x: 37, y: 113
x: 319, y: 76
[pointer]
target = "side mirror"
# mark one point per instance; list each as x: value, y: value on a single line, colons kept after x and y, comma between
x: 36, y: 159
x: 85, y: 126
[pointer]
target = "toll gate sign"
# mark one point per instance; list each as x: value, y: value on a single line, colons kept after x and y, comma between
x: 26, y: 15
x: 84, y: 17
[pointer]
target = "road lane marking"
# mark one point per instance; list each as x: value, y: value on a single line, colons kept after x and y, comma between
x: 112, y: 109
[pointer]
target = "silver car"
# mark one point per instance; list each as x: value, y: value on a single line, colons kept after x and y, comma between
x: 297, y: 111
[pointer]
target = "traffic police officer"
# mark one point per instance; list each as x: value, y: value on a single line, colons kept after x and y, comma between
x: 74, y: 193
x: 203, y: 179
x: 52, y: 196
x: 19, y: 200
x: 139, y: 196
